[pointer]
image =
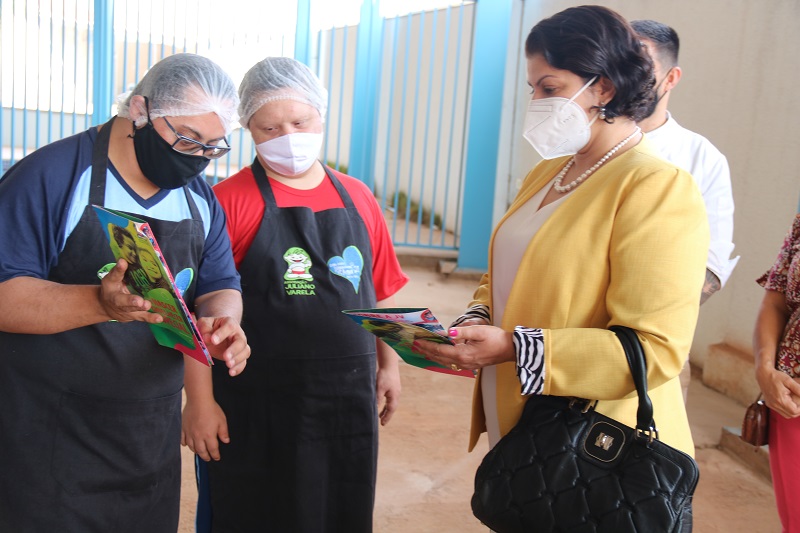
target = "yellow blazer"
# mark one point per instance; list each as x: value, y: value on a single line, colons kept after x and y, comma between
x: 628, y: 247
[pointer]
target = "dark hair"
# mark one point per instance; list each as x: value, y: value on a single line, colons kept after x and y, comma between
x: 665, y: 39
x: 596, y: 41
x: 120, y: 234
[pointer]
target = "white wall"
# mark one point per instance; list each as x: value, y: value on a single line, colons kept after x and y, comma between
x: 741, y: 81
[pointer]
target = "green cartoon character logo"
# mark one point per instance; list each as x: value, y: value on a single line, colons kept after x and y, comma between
x: 299, y: 264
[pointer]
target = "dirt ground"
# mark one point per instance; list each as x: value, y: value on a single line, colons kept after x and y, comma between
x: 425, y: 474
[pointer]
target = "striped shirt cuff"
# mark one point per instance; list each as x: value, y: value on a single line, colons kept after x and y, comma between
x: 529, y: 348
x: 476, y: 311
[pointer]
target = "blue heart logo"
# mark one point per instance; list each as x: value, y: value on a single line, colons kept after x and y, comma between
x: 349, y: 265
x: 183, y: 280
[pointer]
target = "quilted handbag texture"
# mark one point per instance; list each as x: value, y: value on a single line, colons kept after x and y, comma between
x: 566, y: 468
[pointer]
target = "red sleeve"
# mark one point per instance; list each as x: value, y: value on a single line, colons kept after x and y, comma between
x: 244, y: 207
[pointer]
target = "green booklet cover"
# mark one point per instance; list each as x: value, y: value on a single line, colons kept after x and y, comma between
x: 399, y: 327
x: 149, y: 276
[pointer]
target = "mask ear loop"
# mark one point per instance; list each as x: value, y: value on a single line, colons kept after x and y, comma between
x: 594, y: 119
x: 658, y: 86
x: 577, y: 94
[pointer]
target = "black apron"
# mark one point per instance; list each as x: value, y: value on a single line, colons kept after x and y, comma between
x: 90, y: 418
x: 303, y: 416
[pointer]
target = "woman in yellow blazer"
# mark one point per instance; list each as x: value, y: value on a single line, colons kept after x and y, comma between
x: 603, y: 232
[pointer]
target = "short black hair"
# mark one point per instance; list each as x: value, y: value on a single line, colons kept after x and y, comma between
x: 664, y: 38
x: 595, y: 41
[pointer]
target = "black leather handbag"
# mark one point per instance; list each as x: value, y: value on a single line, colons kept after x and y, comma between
x: 565, y: 467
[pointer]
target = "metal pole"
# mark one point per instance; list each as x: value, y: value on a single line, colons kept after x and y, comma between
x: 102, y: 61
x: 492, y: 23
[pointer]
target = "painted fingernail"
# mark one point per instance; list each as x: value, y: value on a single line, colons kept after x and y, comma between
x: 453, y: 332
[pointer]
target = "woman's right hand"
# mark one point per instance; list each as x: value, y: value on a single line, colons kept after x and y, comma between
x: 474, y: 321
x: 781, y: 392
x: 475, y: 347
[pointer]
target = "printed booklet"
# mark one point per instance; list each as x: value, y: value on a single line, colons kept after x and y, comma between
x: 149, y: 276
x: 399, y: 327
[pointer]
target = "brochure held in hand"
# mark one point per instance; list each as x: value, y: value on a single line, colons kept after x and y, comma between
x: 149, y: 276
x: 399, y: 327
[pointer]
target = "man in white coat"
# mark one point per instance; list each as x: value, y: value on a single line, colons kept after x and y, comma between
x: 693, y: 152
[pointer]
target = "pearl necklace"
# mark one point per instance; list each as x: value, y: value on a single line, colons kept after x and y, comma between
x: 577, y: 181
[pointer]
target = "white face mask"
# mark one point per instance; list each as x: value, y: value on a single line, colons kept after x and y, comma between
x: 556, y: 126
x: 292, y: 154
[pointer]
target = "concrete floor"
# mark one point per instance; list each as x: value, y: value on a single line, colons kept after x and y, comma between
x: 425, y: 474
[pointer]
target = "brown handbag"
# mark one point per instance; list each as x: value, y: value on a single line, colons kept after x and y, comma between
x: 755, y: 426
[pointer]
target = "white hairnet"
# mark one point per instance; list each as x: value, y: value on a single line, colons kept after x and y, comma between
x: 186, y: 84
x: 280, y: 78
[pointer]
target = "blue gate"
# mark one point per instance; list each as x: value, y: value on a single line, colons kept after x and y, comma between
x: 400, y: 85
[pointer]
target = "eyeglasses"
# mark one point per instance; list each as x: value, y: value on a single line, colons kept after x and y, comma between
x: 187, y: 145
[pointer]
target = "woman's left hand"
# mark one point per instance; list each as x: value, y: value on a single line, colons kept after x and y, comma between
x: 476, y: 347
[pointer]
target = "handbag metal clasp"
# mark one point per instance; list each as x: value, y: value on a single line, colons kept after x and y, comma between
x: 585, y: 405
x: 650, y: 434
x: 604, y: 441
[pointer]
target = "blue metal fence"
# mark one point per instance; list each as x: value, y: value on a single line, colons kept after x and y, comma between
x: 398, y: 86
x: 430, y: 61
x: 44, y: 73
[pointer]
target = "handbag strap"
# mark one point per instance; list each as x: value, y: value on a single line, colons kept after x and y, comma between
x: 645, y: 425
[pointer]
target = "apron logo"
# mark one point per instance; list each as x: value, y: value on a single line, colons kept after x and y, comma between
x: 184, y: 279
x: 297, y: 279
x: 349, y: 265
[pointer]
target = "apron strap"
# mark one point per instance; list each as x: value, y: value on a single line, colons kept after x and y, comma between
x: 97, y: 189
x: 269, y: 197
x: 192, y: 205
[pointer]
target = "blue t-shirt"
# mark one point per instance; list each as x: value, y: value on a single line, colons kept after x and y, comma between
x: 43, y: 196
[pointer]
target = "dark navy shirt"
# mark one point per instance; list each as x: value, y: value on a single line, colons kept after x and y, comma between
x: 43, y: 196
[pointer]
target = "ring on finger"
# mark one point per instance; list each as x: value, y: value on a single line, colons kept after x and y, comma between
x: 455, y: 367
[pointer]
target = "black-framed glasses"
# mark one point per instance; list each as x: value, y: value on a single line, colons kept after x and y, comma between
x: 187, y: 145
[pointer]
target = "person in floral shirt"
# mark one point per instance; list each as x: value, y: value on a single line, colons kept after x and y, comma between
x: 776, y: 346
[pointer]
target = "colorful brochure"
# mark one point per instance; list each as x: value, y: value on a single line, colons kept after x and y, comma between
x: 399, y: 327
x: 149, y: 276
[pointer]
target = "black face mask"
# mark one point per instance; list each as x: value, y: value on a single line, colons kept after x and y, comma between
x: 652, y: 108
x: 162, y: 165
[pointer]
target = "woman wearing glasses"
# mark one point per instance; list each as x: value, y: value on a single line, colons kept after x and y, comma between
x: 309, y: 242
x: 89, y: 402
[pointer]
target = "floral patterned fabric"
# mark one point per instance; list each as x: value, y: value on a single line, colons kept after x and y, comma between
x: 784, y: 277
